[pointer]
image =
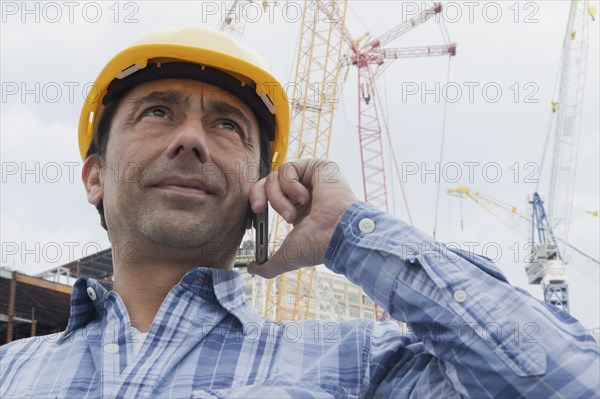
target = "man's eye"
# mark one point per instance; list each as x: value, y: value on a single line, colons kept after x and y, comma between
x: 227, y: 124
x: 158, y: 112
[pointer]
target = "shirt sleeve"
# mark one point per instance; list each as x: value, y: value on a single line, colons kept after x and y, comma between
x: 477, y: 335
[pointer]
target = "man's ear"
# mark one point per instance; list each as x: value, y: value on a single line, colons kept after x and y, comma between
x: 91, y: 176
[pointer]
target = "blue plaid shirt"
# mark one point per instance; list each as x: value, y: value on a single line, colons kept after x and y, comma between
x: 473, y: 335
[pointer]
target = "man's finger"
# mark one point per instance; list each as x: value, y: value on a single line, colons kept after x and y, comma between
x: 258, y: 196
x: 278, y: 200
x: 291, y: 185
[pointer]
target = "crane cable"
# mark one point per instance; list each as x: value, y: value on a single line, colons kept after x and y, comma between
x: 550, y: 125
x: 555, y: 94
x: 393, y: 157
x: 444, y: 31
x: 437, y: 199
x: 390, y: 146
x: 446, y: 36
x: 462, y: 220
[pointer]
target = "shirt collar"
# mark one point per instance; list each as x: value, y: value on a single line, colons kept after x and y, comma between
x: 225, y: 286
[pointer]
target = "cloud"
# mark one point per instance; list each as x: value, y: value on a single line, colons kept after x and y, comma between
x: 46, y: 220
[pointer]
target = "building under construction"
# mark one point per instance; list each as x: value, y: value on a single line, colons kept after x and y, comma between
x: 39, y: 305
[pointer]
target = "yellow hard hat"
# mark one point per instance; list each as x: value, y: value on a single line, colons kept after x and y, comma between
x: 218, y: 59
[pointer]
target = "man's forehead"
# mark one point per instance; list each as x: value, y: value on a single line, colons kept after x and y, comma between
x: 184, y: 91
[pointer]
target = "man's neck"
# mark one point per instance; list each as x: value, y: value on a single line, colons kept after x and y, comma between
x: 143, y: 290
x: 144, y: 285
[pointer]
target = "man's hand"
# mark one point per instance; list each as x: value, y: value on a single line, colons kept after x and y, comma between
x: 312, y: 195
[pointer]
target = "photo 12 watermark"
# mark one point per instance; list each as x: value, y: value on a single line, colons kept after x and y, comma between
x: 53, y: 12
x: 58, y: 253
x: 492, y: 12
x: 469, y: 92
x: 469, y: 171
x: 237, y: 12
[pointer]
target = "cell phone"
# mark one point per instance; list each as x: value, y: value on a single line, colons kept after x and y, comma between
x: 261, y: 242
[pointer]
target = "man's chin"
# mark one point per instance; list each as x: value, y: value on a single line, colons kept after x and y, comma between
x: 180, y: 232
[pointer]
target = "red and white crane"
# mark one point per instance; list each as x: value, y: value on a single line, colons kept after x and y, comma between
x: 371, y: 59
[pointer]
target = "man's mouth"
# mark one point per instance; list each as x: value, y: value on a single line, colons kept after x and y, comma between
x: 183, y: 186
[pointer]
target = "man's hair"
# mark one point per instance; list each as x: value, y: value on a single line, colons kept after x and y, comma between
x: 100, y: 141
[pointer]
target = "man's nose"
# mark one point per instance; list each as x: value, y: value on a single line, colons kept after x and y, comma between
x: 190, y: 141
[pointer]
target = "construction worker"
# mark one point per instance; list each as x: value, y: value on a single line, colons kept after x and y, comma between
x: 176, y: 119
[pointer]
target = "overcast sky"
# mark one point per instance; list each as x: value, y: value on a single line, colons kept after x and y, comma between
x: 512, y: 49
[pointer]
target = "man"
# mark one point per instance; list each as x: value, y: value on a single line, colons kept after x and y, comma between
x: 181, y: 111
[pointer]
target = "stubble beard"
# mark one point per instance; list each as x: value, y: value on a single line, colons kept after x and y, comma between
x: 209, y: 238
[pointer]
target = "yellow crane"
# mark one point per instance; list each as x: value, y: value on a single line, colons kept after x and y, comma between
x: 315, y: 95
x: 513, y: 217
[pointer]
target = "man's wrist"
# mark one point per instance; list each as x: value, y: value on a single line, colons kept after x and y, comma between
x: 336, y: 236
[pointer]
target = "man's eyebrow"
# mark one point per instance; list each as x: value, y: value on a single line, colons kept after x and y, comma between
x: 158, y: 97
x: 223, y: 107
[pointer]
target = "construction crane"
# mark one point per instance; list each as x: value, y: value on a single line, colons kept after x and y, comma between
x: 493, y: 206
x: 371, y: 60
x: 547, y: 266
x: 545, y: 251
x: 317, y: 70
x: 314, y: 98
x: 234, y: 22
x: 567, y: 114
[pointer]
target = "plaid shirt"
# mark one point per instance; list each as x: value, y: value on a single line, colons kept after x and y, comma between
x: 473, y: 335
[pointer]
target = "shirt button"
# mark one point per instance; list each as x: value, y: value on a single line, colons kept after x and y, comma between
x: 111, y: 348
x: 366, y: 225
x: 460, y: 296
x: 91, y: 293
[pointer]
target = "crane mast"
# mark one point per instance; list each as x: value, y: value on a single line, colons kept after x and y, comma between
x: 315, y: 94
x: 547, y: 266
x: 568, y: 110
x: 371, y: 60
x: 548, y: 263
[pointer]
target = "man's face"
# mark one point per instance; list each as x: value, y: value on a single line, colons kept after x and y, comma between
x: 180, y: 160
